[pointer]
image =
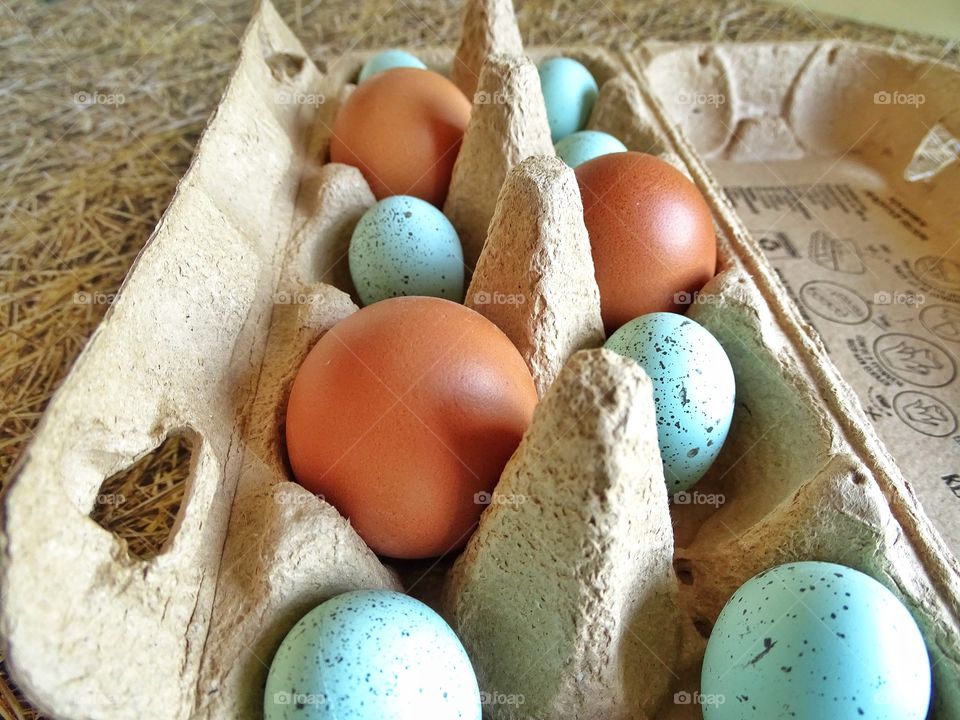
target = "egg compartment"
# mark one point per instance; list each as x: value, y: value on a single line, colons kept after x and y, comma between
x: 205, y: 338
x: 798, y: 116
x: 842, y: 162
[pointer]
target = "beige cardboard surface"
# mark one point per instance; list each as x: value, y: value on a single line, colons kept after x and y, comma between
x: 535, y: 276
x: 237, y: 282
x: 594, y: 511
x: 815, y: 149
x: 91, y: 631
x: 501, y: 133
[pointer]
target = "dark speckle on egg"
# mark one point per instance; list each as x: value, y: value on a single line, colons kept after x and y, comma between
x: 371, y: 654
x: 693, y: 388
x: 781, y: 648
x: 405, y: 246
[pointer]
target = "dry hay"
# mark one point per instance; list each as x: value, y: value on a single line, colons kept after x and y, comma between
x: 101, y: 107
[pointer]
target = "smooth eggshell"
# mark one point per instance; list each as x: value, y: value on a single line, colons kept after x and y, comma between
x: 371, y: 655
x: 569, y: 93
x: 401, y: 414
x: 389, y: 59
x: 815, y: 640
x: 402, y: 128
x: 693, y: 390
x: 405, y: 246
x: 578, y: 148
x: 651, y: 234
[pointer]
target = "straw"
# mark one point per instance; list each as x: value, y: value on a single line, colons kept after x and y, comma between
x: 101, y: 105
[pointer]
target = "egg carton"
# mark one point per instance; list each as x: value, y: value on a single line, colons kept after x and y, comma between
x: 590, y: 598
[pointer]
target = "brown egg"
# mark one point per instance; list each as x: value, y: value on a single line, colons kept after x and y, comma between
x: 401, y: 414
x: 402, y: 128
x: 651, y: 235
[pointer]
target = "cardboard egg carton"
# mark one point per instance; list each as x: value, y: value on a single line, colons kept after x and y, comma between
x: 584, y: 593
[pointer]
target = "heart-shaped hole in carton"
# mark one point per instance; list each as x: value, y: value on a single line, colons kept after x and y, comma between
x: 141, y: 504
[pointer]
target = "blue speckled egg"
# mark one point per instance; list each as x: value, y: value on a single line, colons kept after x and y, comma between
x: 405, y: 246
x: 693, y: 390
x: 812, y: 640
x: 585, y: 145
x: 569, y: 92
x: 371, y: 655
x: 386, y: 60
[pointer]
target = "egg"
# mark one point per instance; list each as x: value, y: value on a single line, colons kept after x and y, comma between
x: 371, y: 655
x: 403, y: 416
x: 405, y: 246
x: 651, y: 235
x: 585, y: 145
x: 815, y: 640
x: 402, y: 128
x: 569, y: 93
x: 693, y: 390
x: 389, y: 59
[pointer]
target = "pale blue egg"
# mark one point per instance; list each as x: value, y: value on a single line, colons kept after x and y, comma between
x: 569, y: 92
x: 693, y: 390
x: 585, y: 145
x: 386, y: 60
x: 371, y: 655
x: 405, y: 246
x: 815, y: 640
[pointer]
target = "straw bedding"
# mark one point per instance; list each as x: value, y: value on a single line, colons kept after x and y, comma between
x: 101, y: 105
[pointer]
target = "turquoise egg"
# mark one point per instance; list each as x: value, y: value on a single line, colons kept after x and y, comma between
x: 811, y: 640
x: 569, y: 92
x: 405, y: 246
x: 693, y: 390
x: 585, y: 145
x: 371, y: 655
x: 386, y: 60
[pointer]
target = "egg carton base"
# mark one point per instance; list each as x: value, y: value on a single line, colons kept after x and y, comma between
x: 240, y: 278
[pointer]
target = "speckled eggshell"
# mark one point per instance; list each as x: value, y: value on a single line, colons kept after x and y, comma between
x: 569, y: 93
x: 371, y: 655
x: 405, y: 246
x: 693, y: 390
x: 815, y: 640
x: 389, y: 59
x: 585, y: 145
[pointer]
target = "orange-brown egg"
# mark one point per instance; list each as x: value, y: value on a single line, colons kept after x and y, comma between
x: 651, y: 235
x: 402, y: 128
x: 401, y: 414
